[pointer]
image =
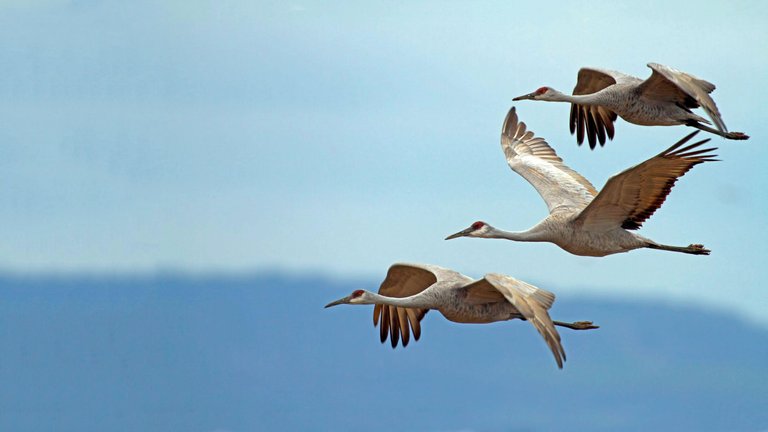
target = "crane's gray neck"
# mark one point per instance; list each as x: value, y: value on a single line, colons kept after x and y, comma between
x: 531, y: 235
x: 415, y: 301
x: 588, y: 99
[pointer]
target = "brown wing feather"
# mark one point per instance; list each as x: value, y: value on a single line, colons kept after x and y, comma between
x: 544, y: 325
x: 402, y: 281
x: 414, y: 318
x: 576, y: 125
x: 394, y: 326
x: 632, y: 196
x: 376, y: 314
x: 406, y: 280
x: 384, y: 329
x: 402, y: 316
x: 482, y: 292
x: 658, y: 88
x: 531, y: 302
x: 684, y: 89
x: 598, y: 121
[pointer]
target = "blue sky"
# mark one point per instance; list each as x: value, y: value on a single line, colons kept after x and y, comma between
x: 340, y: 138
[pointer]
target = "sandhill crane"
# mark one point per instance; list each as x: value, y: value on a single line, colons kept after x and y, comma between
x: 411, y: 290
x: 664, y: 99
x: 581, y: 220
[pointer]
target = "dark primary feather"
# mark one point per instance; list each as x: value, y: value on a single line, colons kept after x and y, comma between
x: 632, y: 196
x: 596, y: 120
x: 397, y: 323
x: 689, y: 158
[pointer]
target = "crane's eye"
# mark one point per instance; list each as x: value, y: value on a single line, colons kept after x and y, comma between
x: 357, y: 293
x: 477, y: 225
x: 542, y: 90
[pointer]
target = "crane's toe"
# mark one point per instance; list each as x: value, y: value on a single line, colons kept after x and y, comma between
x: 584, y: 325
x: 737, y: 136
x: 698, y: 249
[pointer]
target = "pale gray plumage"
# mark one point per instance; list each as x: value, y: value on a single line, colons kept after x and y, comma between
x: 666, y: 98
x: 410, y: 290
x: 581, y: 220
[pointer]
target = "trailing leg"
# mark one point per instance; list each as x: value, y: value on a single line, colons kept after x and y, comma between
x: 578, y: 325
x: 694, y: 249
x: 728, y: 135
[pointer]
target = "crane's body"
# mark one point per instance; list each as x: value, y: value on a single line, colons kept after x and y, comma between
x: 627, y: 102
x: 451, y: 301
x: 581, y: 220
x: 410, y: 290
x: 563, y: 229
x: 448, y: 296
x: 666, y: 98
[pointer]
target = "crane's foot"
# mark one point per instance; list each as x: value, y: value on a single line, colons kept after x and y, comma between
x: 578, y: 325
x: 584, y: 325
x: 737, y: 136
x: 698, y: 249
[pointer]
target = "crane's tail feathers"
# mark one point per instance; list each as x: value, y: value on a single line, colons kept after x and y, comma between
x: 694, y: 249
x: 578, y: 325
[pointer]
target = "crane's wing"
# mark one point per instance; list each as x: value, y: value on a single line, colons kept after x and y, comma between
x: 630, y: 197
x: 404, y: 280
x: 531, y: 157
x: 596, y: 120
x: 530, y: 301
x: 671, y: 85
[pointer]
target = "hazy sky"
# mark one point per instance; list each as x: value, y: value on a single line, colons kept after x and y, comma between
x: 342, y: 137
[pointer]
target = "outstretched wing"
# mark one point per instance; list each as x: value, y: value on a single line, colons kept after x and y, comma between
x: 632, y: 196
x: 404, y: 280
x: 530, y: 301
x: 596, y: 120
x: 671, y: 85
x: 531, y: 157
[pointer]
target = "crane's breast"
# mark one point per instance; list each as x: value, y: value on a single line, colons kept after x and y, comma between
x: 479, y: 313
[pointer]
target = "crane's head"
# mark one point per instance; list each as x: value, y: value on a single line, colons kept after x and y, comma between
x: 542, y: 93
x: 477, y: 229
x: 357, y: 297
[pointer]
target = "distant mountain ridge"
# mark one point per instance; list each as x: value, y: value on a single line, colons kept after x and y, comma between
x: 259, y: 352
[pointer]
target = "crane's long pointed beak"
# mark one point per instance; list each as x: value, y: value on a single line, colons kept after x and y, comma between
x: 461, y: 233
x: 524, y: 97
x: 344, y: 300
